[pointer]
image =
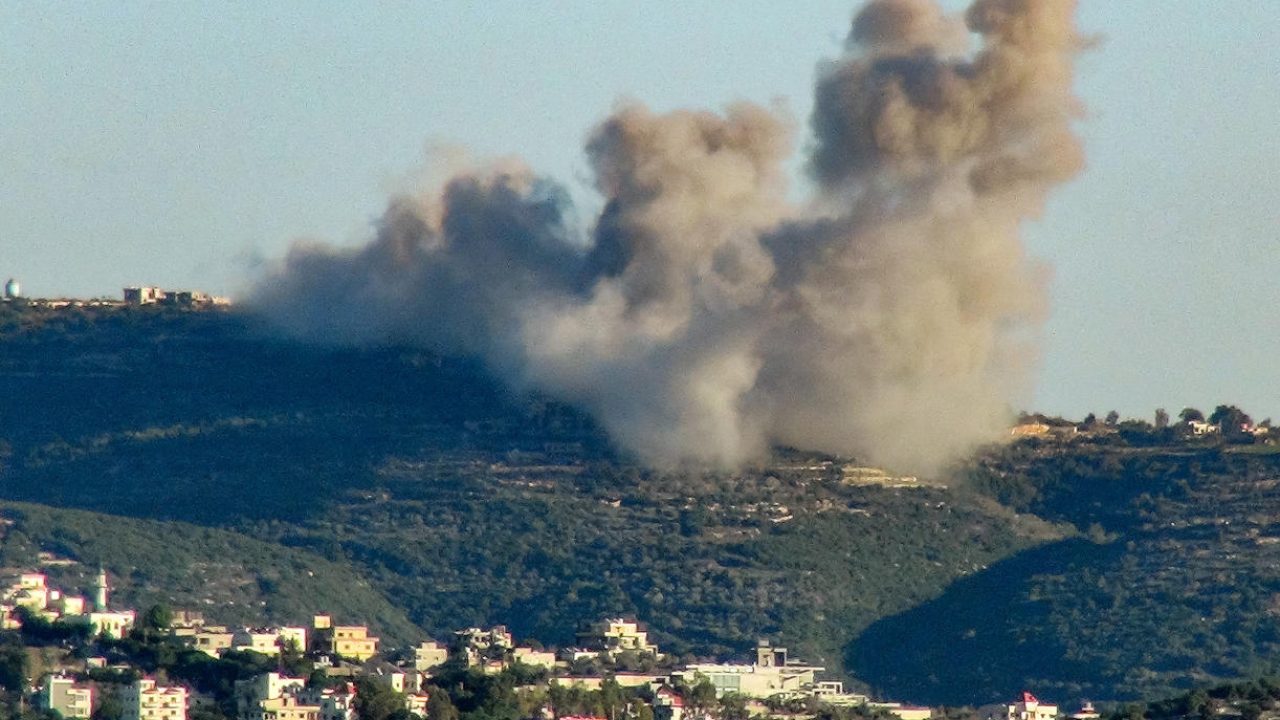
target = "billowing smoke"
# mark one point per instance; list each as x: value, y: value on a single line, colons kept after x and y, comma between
x: 703, y: 317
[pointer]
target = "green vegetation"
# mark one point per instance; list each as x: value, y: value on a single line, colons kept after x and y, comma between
x: 222, y: 573
x: 1178, y: 585
x: 208, y: 459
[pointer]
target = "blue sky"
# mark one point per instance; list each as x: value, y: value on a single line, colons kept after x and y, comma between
x: 175, y: 143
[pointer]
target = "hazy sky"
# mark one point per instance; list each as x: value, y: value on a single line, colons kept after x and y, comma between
x: 180, y: 143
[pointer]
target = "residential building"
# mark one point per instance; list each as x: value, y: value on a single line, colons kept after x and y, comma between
x: 144, y: 700
x: 667, y: 704
x: 61, y: 694
x: 286, y: 707
x: 261, y: 641
x: 212, y: 641
x: 534, y: 658
x: 416, y: 703
x: 1030, y: 708
x: 616, y: 635
x: 429, y: 655
x: 334, y: 703
x: 111, y: 624
x: 348, y: 641
x: 144, y: 295
x: 1087, y: 712
x: 251, y: 693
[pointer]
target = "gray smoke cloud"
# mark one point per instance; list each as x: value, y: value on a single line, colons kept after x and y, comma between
x: 702, y: 317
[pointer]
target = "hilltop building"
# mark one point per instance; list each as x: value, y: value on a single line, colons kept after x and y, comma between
x: 152, y: 295
x: 12, y: 290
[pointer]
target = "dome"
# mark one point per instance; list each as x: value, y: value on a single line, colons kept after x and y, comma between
x: 12, y: 289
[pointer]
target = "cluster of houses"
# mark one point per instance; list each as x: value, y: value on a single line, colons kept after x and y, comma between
x: 347, y: 653
x: 151, y: 295
x: 1197, y: 428
x: 28, y: 594
x: 139, y: 295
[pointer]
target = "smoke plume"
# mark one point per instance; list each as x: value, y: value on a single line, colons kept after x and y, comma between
x: 702, y: 317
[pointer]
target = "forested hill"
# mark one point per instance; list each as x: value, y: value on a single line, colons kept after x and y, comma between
x: 1175, y: 585
x: 1103, y: 566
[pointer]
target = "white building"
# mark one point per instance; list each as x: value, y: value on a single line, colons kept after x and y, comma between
x: 111, y: 624
x: 260, y: 640
x: 334, y: 704
x: 772, y: 674
x: 144, y: 700
x: 1029, y: 708
x: 61, y: 694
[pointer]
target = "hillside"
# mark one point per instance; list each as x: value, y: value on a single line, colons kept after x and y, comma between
x: 1122, y: 565
x: 460, y: 502
x: 1178, y: 588
x: 221, y: 573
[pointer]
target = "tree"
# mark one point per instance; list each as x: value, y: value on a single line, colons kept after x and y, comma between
x: 1162, y: 418
x: 109, y: 709
x: 1190, y: 415
x: 733, y: 706
x: 292, y: 660
x: 1113, y: 417
x: 157, y: 619
x: 376, y: 700
x: 13, y: 667
x: 1230, y: 418
x: 439, y: 705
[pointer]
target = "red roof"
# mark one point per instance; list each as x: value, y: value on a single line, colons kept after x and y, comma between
x: 1028, y: 697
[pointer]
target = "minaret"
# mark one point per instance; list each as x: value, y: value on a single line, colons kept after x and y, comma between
x: 100, y: 590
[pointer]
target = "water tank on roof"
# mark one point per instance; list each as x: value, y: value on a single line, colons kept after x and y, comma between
x: 12, y: 289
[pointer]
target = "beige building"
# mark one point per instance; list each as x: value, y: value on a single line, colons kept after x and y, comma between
x: 263, y: 641
x: 428, y: 655
x: 615, y: 635
x: 353, y: 641
x: 144, y: 700
x: 349, y: 641
x: 211, y: 641
x: 772, y: 674
x: 534, y: 658
x: 61, y: 694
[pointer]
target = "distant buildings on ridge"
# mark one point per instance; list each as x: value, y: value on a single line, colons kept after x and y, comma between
x: 151, y: 295
x: 136, y: 296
